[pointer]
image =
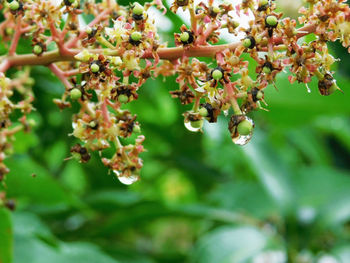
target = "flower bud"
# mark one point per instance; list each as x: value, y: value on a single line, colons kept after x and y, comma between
x: 83, y: 56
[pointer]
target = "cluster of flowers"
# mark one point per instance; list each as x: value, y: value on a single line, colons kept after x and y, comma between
x: 103, y: 64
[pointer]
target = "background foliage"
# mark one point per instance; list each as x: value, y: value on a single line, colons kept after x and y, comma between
x: 201, y: 198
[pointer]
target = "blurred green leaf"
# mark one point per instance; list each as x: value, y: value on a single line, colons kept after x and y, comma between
x: 270, y: 169
x: 229, y: 245
x: 6, y: 236
x: 34, y: 243
x: 34, y: 185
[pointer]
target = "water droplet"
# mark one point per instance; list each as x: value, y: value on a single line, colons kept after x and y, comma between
x: 307, y: 88
x: 194, y: 126
x: 243, y: 139
x: 126, y: 179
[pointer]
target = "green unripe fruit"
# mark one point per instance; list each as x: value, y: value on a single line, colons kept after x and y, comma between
x: 184, y: 37
x: 14, y: 5
x: 271, y: 21
x: 333, y: 88
x: 216, y: 9
x: 266, y: 70
x: 31, y: 122
x: 138, y: 9
x: 122, y: 98
x: 217, y: 74
x: 259, y: 95
x: 75, y: 94
x: 9, y: 31
x: 197, y: 124
x: 95, y: 68
x: 203, y: 112
x: 88, y: 30
x: 92, y: 124
x: 249, y: 42
x: 75, y: 4
x: 37, y: 49
x: 136, y: 128
x: 136, y: 36
x: 245, y: 127
x: 263, y: 2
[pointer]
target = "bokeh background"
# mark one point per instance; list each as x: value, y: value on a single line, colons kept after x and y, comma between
x: 284, y: 197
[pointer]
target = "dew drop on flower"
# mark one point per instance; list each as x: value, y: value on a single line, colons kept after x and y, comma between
x: 126, y: 179
x: 243, y: 139
x: 193, y: 126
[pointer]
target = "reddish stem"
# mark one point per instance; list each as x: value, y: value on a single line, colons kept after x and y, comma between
x: 16, y: 37
x: 5, y: 65
x: 73, y: 42
x: 105, y: 113
x: 171, y: 54
x: 60, y: 74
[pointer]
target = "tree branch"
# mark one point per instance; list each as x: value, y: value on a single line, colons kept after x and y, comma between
x: 171, y: 53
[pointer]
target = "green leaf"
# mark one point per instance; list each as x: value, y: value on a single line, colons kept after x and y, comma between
x: 229, y: 245
x: 34, y: 243
x: 34, y: 186
x: 6, y: 237
x: 272, y: 172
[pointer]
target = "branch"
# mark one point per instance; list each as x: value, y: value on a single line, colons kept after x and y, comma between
x: 16, y: 37
x: 60, y: 74
x: 171, y: 53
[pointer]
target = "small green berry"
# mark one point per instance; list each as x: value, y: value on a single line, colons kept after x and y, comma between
x: 136, y: 128
x: 259, y: 95
x: 235, y: 24
x: 75, y: 4
x: 136, y: 36
x: 266, y: 70
x: 31, y: 122
x: 37, y: 49
x: 245, y: 127
x: 263, y: 2
x: 217, y: 74
x: 184, y: 37
x: 216, y: 9
x: 95, y: 68
x: 14, y: 5
x: 247, y: 42
x: 197, y: 124
x: 88, y: 30
x: 9, y: 31
x: 75, y: 94
x: 122, y: 98
x: 333, y: 88
x: 92, y: 124
x: 203, y: 112
x: 271, y: 21
x: 138, y: 9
